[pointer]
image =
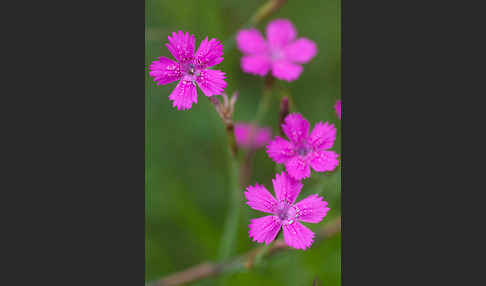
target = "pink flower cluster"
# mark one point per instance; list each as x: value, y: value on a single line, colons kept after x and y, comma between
x: 283, y: 54
x: 302, y: 151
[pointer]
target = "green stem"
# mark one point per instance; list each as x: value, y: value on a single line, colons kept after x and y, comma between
x: 230, y: 133
x: 326, y: 179
x: 228, y: 239
x: 265, y: 11
x: 261, y: 254
x: 231, y: 223
x: 265, y: 100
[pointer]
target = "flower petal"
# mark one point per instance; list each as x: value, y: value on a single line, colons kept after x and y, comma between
x: 208, y: 54
x: 300, y: 51
x: 250, y: 136
x: 286, y: 70
x: 251, y: 41
x: 211, y: 82
x: 280, y: 150
x: 242, y: 134
x: 256, y: 64
x: 322, y: 136
x: 296, y: 127
x: 280, y: 32
x: 298, y: 168
x: 165, y: 71
x: 286, y: 189
x: 181, y: 46
x: 260, y: 199
x: 323, y: 161
x: 263, y: 136
x: 297, y: 236
x: 311, y: 209
x: 264, y: 229
x: 184, y: 95
x: 337, y: 107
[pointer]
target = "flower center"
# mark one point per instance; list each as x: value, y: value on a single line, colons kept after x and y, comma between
x: 190, y: 68
x: 286, y: 213
x: 191, y: 72
x: 276, y: 54
x: 303, y: 150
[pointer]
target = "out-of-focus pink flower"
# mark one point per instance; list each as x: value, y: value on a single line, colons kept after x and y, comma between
x: 281, y: 52
x: 190, y: 69
x: 303, y: 150
x: 337, y: 107
x: 252, y: 137
x: 285, y: 213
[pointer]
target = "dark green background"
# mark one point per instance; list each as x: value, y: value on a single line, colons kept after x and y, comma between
x: 187, y: 184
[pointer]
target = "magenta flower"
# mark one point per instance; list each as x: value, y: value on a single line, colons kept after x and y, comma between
x: 190, y: 69
x: 249, y: 136
x: 284, y: 212
x: 338, y: 108
x: 304, y: 150
x: 281, y: 53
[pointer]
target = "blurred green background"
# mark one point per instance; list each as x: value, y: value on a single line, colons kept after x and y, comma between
x: 187, y: 188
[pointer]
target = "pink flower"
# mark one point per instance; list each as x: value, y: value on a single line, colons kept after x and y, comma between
x: 282, y: 52
x: 285, y: 214
x: 338, y: 108
x: 304, y: 150
x: 189, y: 69
x: 252, y: 137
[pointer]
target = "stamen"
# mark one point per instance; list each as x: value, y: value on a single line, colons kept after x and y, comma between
x: 286, y: 213
x: 303, y: 150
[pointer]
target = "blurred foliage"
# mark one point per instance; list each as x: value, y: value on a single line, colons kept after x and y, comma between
x: 186, y: 169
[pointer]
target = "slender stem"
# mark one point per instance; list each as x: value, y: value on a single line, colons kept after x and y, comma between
x: 228, y: 239
x: 240, y: 263
x: 246, y: 168
x: 265, y: 100
x: 259, y: 256
x: 265, y: 11
x: 231, y: 223
x: 262, y: 109
x: 230, y: 133
x: 323, y: 180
